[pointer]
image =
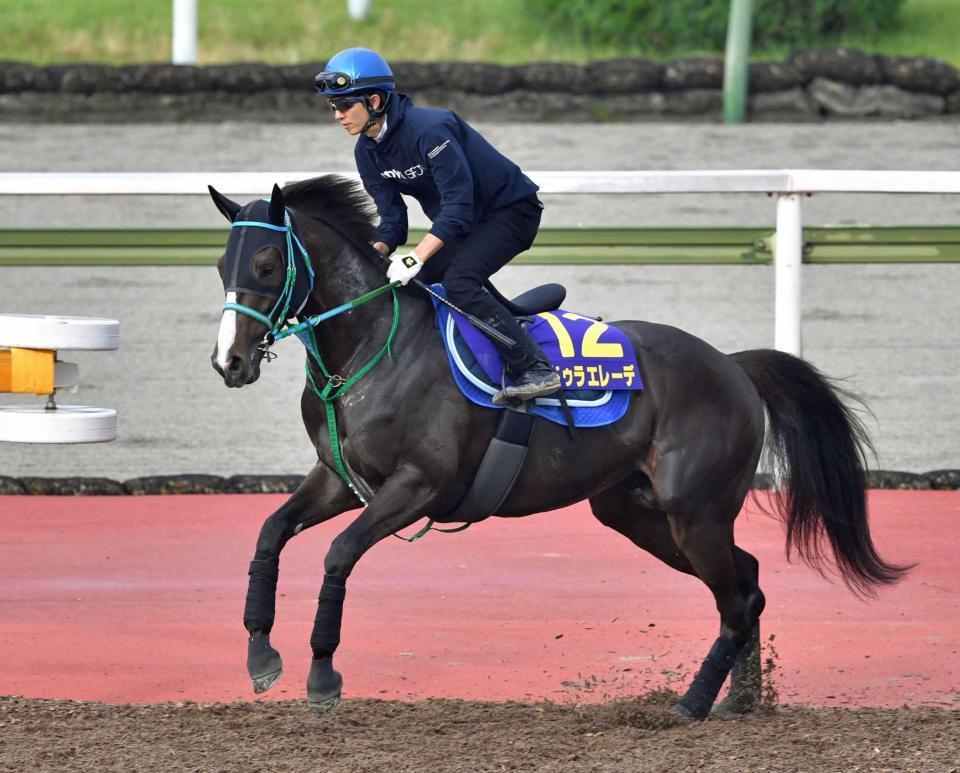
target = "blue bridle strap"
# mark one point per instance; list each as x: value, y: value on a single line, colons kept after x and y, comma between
x: 286, y: 294
x: 259, y: 224
x: 239, y: 307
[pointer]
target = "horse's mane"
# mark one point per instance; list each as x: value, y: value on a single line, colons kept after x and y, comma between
x: 337, y: 201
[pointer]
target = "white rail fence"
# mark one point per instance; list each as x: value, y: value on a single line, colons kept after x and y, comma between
x: 788, y: 185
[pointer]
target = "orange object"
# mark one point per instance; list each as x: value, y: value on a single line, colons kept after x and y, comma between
x: 27, y: 371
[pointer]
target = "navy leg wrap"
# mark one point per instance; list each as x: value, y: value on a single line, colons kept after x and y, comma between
x: 326, y: 626
x: 261, y: 594
x: 709, y: 679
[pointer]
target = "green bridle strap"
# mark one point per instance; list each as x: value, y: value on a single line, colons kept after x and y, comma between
x: 336, y: 388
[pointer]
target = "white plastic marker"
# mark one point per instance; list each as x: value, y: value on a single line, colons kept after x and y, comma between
x: 28, y: 365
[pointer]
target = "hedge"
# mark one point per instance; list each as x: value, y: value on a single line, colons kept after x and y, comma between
x: 656, y: 25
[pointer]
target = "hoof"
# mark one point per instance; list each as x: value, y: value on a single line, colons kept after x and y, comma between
x: 323, y: 705
x: 682, y: 712
x: 265, y: 682
x: 263, y: 663
x: 734, y: 706
x: 323, y: 686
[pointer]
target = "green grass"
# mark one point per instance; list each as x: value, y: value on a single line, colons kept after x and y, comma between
x: 287, y: 31
x: 926, y: 28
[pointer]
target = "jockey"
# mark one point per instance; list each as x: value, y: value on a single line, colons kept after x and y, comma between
x: 484, y: 211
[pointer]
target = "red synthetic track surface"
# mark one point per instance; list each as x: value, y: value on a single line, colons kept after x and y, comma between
x: 140, y: 599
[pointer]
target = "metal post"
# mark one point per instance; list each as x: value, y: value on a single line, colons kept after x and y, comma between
x: 184, y: 31
x: 787, y: 261
x: 736, y: 69
x: 358, y: 9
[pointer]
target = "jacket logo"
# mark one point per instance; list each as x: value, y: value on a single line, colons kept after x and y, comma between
x: 409, y: 174
x: 437, y: 150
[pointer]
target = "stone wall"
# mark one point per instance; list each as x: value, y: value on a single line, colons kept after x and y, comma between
x: 826, y: 84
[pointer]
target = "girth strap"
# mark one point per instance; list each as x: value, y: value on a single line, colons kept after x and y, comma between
x: 498, y: 471
x: 499, y: 468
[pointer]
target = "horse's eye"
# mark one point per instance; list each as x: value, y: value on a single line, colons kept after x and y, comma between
x: 268, y: 267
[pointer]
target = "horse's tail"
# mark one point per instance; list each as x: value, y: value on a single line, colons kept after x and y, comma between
x: 819, y: 447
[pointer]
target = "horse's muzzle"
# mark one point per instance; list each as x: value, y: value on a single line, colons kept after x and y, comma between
x: 238, y: 372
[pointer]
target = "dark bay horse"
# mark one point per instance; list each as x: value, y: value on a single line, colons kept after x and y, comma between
x: 671, y: 475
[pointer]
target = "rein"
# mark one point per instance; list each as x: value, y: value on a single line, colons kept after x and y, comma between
x: 316, y: 319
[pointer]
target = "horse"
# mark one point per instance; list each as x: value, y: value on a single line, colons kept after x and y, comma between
x: 403, y: 443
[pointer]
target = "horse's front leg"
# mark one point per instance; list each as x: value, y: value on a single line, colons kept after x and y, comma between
x: 321, y: 496
x: 398, y: 504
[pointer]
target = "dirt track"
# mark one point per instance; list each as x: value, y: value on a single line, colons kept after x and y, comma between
x: 443, y: 735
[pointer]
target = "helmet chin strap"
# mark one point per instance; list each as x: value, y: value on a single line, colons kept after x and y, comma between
x: 374, y: 115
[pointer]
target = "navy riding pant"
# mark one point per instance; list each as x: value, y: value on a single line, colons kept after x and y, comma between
x: 463, y: 265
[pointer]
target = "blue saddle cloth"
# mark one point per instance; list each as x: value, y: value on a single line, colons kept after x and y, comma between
x: 473, y: 373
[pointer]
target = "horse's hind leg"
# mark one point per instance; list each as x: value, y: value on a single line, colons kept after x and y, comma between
x: 321, y: 496
x: 746, y: 676
x: 705, y: 537
x: 701, y: 546
x: 629, y: 512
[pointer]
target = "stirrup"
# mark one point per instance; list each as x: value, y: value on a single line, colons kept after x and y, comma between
x: 530, y: 391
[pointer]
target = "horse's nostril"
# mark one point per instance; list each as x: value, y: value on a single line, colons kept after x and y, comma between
x: 235, y: 365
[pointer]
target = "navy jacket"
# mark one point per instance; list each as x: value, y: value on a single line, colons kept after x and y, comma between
x: 441, y: 161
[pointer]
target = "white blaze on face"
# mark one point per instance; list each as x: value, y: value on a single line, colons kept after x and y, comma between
x: 228, y: 332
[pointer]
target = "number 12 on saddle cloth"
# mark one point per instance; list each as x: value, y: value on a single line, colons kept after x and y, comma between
x: 587, y: 353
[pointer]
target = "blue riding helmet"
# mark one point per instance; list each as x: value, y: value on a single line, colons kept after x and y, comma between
x: 353, y: 70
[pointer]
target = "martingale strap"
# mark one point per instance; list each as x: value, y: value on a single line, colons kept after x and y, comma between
x: 336, y: 388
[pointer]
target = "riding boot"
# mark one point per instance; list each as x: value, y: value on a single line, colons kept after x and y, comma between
x: 531, y: 374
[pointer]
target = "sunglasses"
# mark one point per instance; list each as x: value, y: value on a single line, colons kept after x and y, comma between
x: 342, y: 104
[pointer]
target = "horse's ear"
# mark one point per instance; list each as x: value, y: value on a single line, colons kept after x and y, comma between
x: 277, y: 206
x: 228, y: 208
